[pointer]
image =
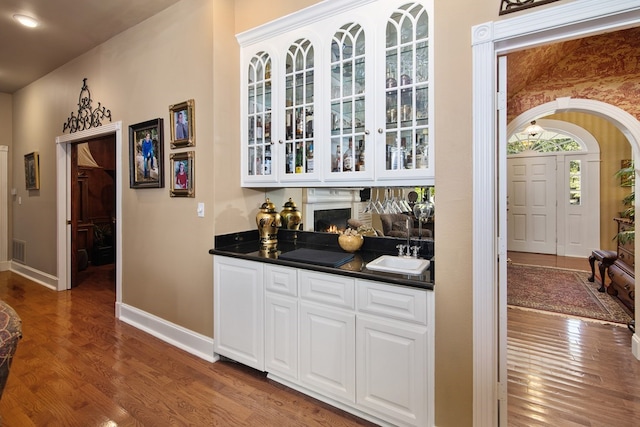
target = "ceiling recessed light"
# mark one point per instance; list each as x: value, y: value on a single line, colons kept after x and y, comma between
x: 25, y: 20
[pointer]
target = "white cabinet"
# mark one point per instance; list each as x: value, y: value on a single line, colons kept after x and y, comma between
x: 281, y: 321
x: 363, y: 345
x: 327, y: 334
x: 239, y: 310
x: 339, y: 93
x: 394, y: 358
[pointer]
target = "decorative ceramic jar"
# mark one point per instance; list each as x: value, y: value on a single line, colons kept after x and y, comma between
x: 290, y: 216
x: 268, y: 221
x: 350, y: 243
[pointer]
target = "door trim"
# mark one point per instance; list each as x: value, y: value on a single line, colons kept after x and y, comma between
x: 489, y: 40
x: 63, y: 212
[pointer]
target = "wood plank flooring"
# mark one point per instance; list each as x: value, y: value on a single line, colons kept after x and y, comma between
x: 79, y: 366
x: 569, y: 372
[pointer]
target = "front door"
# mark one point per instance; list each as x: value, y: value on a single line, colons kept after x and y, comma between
x: 531, y: 204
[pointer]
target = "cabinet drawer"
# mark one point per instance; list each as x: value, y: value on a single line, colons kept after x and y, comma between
x: 282, y: 280
x: 396, y: 302
x: 623, y: 284
x: 627, y: 256
x: 327, y: 288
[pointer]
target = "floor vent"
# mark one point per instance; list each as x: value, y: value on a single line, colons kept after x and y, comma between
x: 19, y: 251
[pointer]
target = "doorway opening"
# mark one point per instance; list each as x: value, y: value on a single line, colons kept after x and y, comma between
x: 491, y: 40
x: 93, y: 212
x: 64, y: 168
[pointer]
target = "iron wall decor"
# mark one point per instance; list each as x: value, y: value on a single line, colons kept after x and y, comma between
x: 87, y: 117
x: 182, y: 174
x: 32, y: 171
x: 508, y: 6
x: 183, y: 127
x: 146, y: 154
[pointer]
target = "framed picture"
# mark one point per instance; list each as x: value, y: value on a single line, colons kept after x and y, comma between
x: 32, y: 170
x: 182, y: 174
x: 146, y: 155
x: 183, y: 127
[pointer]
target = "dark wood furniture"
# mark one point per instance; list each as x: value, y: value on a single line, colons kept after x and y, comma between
x: 622, y: 271
x: 605, y: 259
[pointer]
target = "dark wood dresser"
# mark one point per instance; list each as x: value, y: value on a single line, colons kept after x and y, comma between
x: 622, y: 271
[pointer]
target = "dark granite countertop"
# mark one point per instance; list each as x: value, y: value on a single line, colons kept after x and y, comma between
x: 245, y: 245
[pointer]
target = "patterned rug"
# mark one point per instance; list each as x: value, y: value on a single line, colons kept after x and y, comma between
x: 562, y: 291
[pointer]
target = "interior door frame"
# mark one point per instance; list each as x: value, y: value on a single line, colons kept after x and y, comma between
x: 63, y: 182
x: 557, y: 22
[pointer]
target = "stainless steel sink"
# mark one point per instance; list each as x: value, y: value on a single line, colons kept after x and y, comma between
x: 399, y: 265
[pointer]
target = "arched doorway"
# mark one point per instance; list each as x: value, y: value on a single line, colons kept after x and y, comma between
x: 553, y: 192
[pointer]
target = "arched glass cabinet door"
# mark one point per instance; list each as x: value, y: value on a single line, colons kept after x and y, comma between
x: 258, y: 141
x: 299, y: 111
x: 407, y: 143
x: 348, y: 99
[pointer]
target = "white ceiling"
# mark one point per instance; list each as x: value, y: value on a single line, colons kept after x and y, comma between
x: 68, y: 28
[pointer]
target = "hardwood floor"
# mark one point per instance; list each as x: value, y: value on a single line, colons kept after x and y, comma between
x: 569, y: 372
x: 79, y: 366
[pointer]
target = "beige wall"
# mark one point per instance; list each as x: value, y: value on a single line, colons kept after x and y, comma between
x: 137, y: 75
x: 190, y: 51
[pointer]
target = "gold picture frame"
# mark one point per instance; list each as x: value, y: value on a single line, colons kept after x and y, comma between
x: 182, y: 174
x: 32, y: 171
x: 182, y: 124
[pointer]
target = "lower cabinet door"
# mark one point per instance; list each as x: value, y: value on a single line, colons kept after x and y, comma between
x: 239, y: 310
x: 392, y: 377
x: 281, y: 336
x: 327, y: 351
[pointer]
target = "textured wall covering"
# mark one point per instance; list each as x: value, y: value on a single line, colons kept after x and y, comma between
x: 604, y: 68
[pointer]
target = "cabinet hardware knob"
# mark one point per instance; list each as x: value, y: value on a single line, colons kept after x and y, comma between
x: 366, y: 132
x: 380, y: 130
x: 280, y: 141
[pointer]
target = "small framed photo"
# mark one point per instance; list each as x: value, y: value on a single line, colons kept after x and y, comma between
x: 182, y: 174
x: 32, y: 170
x: 146, y: 154
x: 183, y: 127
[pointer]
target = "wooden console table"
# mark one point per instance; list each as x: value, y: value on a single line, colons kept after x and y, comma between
x: 622, y: 271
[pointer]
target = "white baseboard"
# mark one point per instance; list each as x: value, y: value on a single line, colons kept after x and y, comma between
x: 37, y: 276
x: 185, y: 339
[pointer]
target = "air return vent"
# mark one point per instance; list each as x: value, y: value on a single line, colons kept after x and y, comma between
x: 19, y: 251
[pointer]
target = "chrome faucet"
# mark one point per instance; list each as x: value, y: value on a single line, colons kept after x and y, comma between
x: 408, y: 235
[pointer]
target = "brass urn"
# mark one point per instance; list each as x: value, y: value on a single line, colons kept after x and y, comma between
x: 291, y: 217
x: 268, y: 221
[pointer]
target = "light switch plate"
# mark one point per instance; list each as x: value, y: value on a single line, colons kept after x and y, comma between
x: 201, y: 210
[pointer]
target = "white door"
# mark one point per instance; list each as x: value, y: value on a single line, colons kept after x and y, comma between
x: 531, y: 218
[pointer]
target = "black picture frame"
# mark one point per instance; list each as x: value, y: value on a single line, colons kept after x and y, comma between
x: 182, y: 124
x: 146, y: 161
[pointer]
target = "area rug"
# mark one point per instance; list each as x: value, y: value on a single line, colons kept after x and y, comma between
x: 563, y: 291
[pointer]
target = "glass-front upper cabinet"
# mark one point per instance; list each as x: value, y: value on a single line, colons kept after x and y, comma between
x: 350, y: 151
x: 258, y: 157
x: 299, y: 103
x: 408, y: 146
x: 339, y: 94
